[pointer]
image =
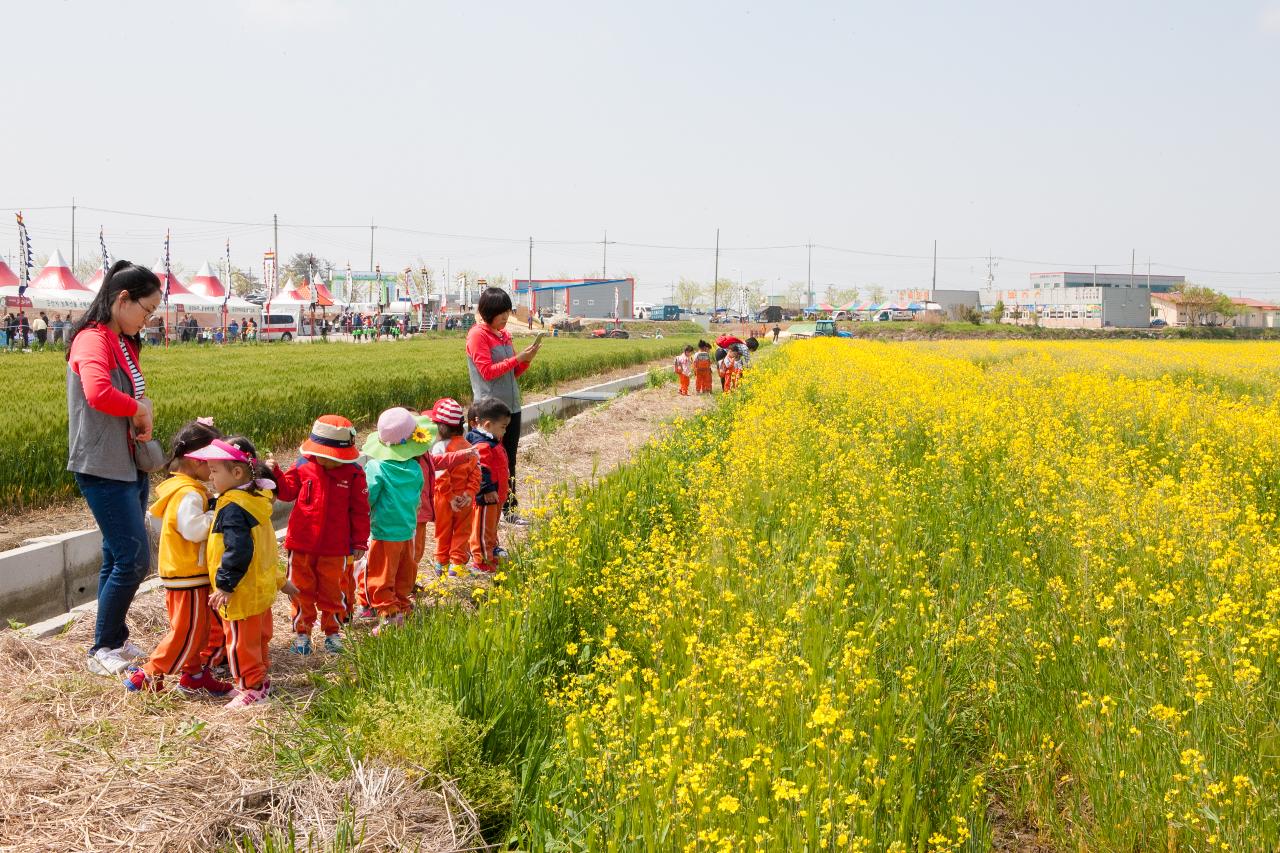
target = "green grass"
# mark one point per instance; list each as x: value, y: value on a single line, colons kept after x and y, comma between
x: 271, y: 393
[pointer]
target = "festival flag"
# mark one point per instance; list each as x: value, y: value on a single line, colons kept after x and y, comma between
x: 226, y: 285
x: 616, y: 297
x: 102, y: 241
x: 167, y: 274
x: 25, y: 261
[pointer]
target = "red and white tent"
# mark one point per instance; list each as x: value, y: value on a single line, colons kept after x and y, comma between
x: 207, y: 285
x: 57, y: 276
x: 54, y: 288
x: 315, y: 291
x: 8, y: 278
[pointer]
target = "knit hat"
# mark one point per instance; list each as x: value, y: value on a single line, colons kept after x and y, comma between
x: 401, y: 436
x: 332, y: 437
x: 446, y: 411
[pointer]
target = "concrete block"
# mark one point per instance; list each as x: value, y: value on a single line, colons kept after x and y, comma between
x: 31, y: 582
x: 82, y: 561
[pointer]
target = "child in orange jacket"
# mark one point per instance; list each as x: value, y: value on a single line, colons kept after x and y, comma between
x: 730, y: 371
x: 702, y: 368
x: 684, y: 369
x: 455, y: 491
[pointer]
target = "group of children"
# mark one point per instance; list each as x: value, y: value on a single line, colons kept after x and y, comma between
x: 355, y: 537
x: 697, y: 366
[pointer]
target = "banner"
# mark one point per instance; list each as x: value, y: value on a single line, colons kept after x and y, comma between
x: 269, y: 272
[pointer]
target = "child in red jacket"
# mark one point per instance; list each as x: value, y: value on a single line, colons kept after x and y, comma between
x: 456, y: 491
x: 329, y: 522
x: 492, y: 419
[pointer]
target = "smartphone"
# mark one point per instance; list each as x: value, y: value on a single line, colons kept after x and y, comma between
x: 539, y: 336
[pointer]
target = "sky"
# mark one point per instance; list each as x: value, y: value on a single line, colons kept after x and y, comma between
x: 1049, y: 136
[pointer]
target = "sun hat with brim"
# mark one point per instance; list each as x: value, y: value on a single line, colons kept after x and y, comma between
x: 332, y: 437
x: 220, y: 451
x: 401, y: 436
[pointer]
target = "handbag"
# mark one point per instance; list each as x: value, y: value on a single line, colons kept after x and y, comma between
x: 148, y: 455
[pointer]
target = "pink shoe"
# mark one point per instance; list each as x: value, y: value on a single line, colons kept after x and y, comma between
x: 250, y: 696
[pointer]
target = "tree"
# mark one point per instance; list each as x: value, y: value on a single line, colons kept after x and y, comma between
x: 997, y: 312
x: 838, y: 296
x: 244, y: 281
x: 875, y: 293
x: 1204, y: 306
x: 798, y: 293
x: 86, y: 268
x: 305, y: 265
x: 690, y: 294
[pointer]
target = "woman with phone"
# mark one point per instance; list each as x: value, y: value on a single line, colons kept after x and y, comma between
x: 495, y: 366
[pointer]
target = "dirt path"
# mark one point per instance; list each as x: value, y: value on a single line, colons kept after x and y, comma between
x: 87, y: 766
x: 71, y: 515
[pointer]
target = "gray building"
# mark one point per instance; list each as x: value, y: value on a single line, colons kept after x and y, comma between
x: 596, y: 298
x: 1082, y: 300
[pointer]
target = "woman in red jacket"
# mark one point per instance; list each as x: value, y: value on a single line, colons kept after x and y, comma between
x: 494, y: 366
x: 108, y: 412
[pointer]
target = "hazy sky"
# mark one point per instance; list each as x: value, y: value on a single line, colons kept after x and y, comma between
x: 1058, y: 134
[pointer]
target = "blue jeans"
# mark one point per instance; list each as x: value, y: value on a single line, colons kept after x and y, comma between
x: 120, y: 509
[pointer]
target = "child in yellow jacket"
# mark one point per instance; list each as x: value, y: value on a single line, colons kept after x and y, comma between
x: 181, y: 504
x: 244, y: 566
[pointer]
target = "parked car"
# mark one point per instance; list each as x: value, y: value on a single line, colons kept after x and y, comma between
x: 1158, y: 323
x: 277, y: 327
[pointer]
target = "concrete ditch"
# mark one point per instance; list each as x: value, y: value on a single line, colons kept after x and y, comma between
x: 50, y: 581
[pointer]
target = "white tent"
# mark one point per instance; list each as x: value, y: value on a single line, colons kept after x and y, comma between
x: 53, y: 289
x: 207, y: 285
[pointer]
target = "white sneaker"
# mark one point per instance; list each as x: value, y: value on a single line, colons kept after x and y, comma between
x: 132, y: 651
x: 109, y: 662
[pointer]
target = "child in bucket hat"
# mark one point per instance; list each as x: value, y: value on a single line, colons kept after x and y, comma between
x: 395, y: 482
x: 455, y: 491
x: 329, y: 525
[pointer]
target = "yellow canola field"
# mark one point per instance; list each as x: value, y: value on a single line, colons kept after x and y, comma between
x: 912, y: 596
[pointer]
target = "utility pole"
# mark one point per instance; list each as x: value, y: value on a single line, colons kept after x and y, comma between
x: 604, y: 269
x: 275, y: 248
x: 372, y: 228
x: 1095, y: 276
x: 73, y: 235
x: 808, y: 276
x: 934, y: 286
x: 1148, y: 273
x: 992, y: 263
x: 715, y: 287
x: 1133, y: 260
x: 530, y: 262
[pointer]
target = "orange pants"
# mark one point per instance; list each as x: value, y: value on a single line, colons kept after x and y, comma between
x: 184, y: 647
x: 389, y: 576
x: 703, y: 376
x: 215, y: 653
x: 319, y: 583
x: 349, y: 587
x: 247, y: 649
x: 419, y: 542
x: 484, y: 536
x: 729, y: 380
x: 684, y: 384
x: 453, y: 532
